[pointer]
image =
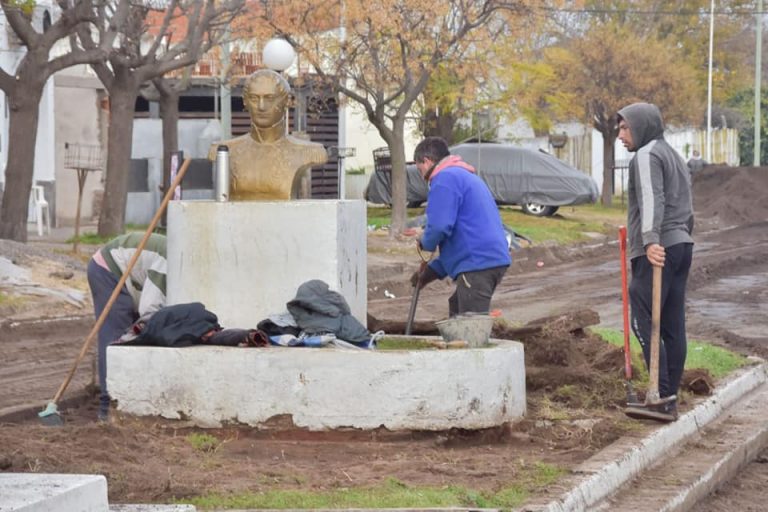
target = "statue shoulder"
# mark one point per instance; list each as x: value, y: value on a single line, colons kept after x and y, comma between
x: 230, y: 143
x: 313, y: 150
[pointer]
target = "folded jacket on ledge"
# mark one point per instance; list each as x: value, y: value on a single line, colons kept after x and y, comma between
x: 184, y: 325
x: 319, y: 310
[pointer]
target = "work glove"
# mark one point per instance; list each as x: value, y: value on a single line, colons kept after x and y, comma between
x: 427, y: 276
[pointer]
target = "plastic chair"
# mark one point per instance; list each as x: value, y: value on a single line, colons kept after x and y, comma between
x: 41, y: 209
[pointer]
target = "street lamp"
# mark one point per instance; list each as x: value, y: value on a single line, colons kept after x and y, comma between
x: 278, y: 54
x: 341, y: 153
x: 708, y: 158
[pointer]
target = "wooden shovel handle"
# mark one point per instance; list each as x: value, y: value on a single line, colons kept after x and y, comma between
x: 103, y: 316
x: 653, y: 387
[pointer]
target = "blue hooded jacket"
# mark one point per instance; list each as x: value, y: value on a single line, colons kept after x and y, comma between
x: 464, y: 222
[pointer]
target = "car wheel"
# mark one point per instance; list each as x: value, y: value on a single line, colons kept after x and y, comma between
x: 539, y: 210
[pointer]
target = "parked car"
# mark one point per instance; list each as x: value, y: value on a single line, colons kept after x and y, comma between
x: 535, y: 180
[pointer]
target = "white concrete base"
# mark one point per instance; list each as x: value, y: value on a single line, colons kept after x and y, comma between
x: 322, y: 388
x: 37, y: 492
x: 245, y: 260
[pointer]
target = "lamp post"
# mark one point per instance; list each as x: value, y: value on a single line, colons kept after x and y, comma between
x: 709, y: 81
x: 341, y: 153
x: 758, y: 76
x: 225, y: 93
x: 278, y: 55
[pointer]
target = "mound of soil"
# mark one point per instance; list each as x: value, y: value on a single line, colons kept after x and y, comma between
x: 732, y: 195
x: 567, y: 362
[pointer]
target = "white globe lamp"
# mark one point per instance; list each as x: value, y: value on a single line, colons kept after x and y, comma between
x: 278, y: 54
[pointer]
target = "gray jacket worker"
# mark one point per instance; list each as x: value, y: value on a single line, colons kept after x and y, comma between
x: 660, y: 223
x: 142, y: 294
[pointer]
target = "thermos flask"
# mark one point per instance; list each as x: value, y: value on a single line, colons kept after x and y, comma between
x: 221, y: 184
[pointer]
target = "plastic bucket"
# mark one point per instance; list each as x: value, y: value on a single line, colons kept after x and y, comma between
x: 474, y: 329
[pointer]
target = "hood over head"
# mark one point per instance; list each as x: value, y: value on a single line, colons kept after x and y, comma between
x: 645, y: 123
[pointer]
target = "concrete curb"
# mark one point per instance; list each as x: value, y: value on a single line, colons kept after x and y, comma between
x: 608, y: 478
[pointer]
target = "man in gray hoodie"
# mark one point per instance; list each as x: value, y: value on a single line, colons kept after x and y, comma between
x: 660, y: 223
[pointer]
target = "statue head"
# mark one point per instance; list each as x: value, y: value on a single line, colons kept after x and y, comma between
x: 265, y: 96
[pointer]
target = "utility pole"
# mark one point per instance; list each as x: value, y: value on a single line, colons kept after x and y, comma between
x: 758, y: 76
x: 708, y: 156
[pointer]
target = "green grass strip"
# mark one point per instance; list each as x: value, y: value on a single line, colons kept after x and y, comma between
x: 701, y: 354
x: 392, y: 493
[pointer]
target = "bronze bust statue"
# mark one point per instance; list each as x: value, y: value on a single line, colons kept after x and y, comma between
x: 266, y: 163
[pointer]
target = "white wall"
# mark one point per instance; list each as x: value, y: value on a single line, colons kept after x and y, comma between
x: 725, y: 149
x: 78, y: 121
x: 360, y: 134
x: 45, y: 146
x: 148, y: 138
x: 10, y: 55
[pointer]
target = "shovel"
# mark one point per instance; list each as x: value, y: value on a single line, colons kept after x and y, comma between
x: 414, y: 300
x: 646, y: 410
x: 631, y: 395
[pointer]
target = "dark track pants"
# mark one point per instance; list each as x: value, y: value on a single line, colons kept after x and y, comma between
x: 474, y: 291
x: 122, y: 315
x: 673, y: 343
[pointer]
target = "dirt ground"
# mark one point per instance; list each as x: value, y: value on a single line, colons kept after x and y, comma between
x: 574, y: 381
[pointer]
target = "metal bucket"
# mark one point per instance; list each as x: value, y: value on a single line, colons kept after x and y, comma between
x: 474, y: 329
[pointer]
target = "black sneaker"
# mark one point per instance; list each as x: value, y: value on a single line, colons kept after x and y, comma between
x: 667, y: 411
x: 668, y: 408
x: 664, y: 412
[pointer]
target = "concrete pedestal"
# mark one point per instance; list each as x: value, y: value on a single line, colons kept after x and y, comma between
x: 322, y: 388
x: 245, y: 260
x: 37, y: 492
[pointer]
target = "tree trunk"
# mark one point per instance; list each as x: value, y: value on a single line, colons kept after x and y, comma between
x: 169, y: 113
x: 119, y: 141
x: 609, y: 160
x: 24, y: 103
x: 440, y: 126
x: 399, y: 181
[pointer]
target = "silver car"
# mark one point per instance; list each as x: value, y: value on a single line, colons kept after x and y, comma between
x: 535, y: 180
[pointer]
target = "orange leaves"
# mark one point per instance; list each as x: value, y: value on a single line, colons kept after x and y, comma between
x: 611, y: 66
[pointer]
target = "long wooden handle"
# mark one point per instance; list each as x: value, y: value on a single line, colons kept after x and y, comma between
x: 103, y: 316
x: 653, y: 387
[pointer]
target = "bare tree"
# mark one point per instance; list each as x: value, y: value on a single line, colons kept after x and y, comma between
x: 148, y: 51
x: 24, y: 85
x: 384, y: 54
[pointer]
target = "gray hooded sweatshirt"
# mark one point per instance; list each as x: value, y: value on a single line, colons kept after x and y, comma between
x: 660, y: 206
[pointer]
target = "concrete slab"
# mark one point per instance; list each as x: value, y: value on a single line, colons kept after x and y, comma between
x: 245, y: 260
x: 39, y: 492
x: 322, y: 388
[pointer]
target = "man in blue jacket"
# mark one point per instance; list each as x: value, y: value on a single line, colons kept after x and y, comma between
x: 660, y: 223
x: 464, y: 223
